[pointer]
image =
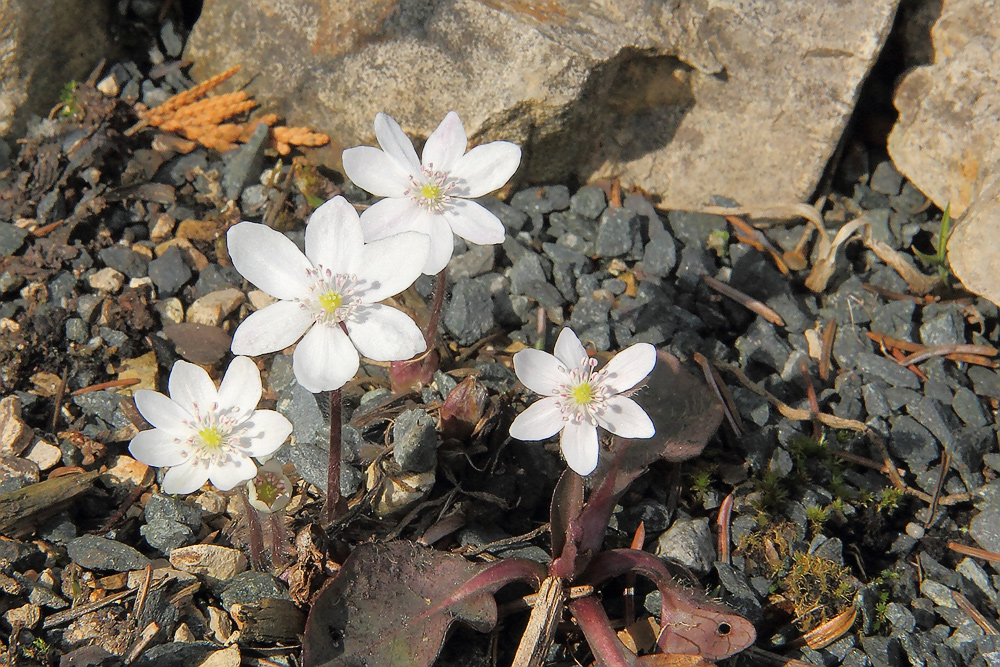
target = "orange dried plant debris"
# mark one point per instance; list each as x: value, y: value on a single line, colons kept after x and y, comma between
x: 286, y: 137
x: 202, y: 119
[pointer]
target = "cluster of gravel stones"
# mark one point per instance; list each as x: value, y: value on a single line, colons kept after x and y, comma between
x: 617, y: 275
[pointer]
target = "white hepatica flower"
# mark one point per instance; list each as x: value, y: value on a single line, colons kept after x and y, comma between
x: 206, y: 434
x: 431, y: 195
x: 329, y: 296
x: 579, y: 399
x: 270, y: 491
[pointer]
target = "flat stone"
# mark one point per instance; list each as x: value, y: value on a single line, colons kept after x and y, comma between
x: 250, y: 588
x: 106, y: 280
x: 526, y: 269
x: 688, y: 542
x: 614, y: 233
x: 214, y: 307
x: 97, y: 553
x: 415, y: 441
x: 247, y: 163
x: 927, y: 411
x: 469, y: 313
x: 165, y: 507
x: 659, y: 257
x: 913, y: 443
x: 165, y: 535
x: 944, y: 327
x: 588, y: 202
x: 27, y: 616
x: 46, y: 456
x: 398, y: 494
x: 125, y: 471
x: 15, y: 434
x: 874, y: 366
x: 11, y: 239
x: 886, y: 179
x: 985, y: 382
x: 169, y: 272
x: 665, y: 120
x: 211, y: 560
x: 214, y: 278
x: 968, y: 407
x: 476, y: 261
x: 125, y: 260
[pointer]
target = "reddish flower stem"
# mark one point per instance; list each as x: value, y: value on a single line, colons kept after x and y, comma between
x: 333, y: 499
x: 440, y: 286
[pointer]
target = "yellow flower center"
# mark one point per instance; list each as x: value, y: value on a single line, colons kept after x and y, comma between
x: 582, y: 394
x: 330, y: 301
x: 430, y: 192
x: 211, y: 437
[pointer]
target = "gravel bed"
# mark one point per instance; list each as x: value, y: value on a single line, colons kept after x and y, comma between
x: 113, y: 266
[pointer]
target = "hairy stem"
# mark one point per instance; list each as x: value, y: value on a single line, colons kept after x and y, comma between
x: 256, y: 533
x: 440, y: 286
x: 333, y: 499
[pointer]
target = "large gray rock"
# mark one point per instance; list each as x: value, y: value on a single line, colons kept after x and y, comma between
x: 975, y: 262
x: 744, y: 99
x: 945, y: 138
x: 45, y: 44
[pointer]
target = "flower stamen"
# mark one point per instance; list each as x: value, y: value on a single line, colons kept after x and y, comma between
x: 430, y: 189
x: 333, y: 297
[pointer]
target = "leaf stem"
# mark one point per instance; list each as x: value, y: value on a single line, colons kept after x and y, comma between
x: 593, y: 620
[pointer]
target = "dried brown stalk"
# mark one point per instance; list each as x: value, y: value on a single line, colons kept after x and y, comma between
x: 744, y: 300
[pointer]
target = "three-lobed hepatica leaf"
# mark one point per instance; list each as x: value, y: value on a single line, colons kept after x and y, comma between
x: 392, y: 604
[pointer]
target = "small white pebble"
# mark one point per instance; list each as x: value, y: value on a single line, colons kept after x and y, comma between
x: 915, y: 530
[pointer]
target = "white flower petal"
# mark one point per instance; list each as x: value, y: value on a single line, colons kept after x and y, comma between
x: 334, y: 237
x: 485, y: 168
x: 540, y: 420
x: 162, y: 412
x: 445, y: 145
x: 374, y: 171
x: 539, y: 371
x: 384, y: 333
x: 580, y: 447
x: 392, y: 264
x: 267, y: 430
x: 156, y: 447
x: 271, y: 328
x: 569, y: 349
x: 324, y: 359
x: 625, y: 418
x: 235, y: 471
x: 395, y: 143
x: 269, y: 260
x: 392, y: 216
x: 473, y: 222
x: 185, y: 478
x: 629, y: 367
x: 241, y: 387
x: 442, y: 245
x: 190, y: 387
